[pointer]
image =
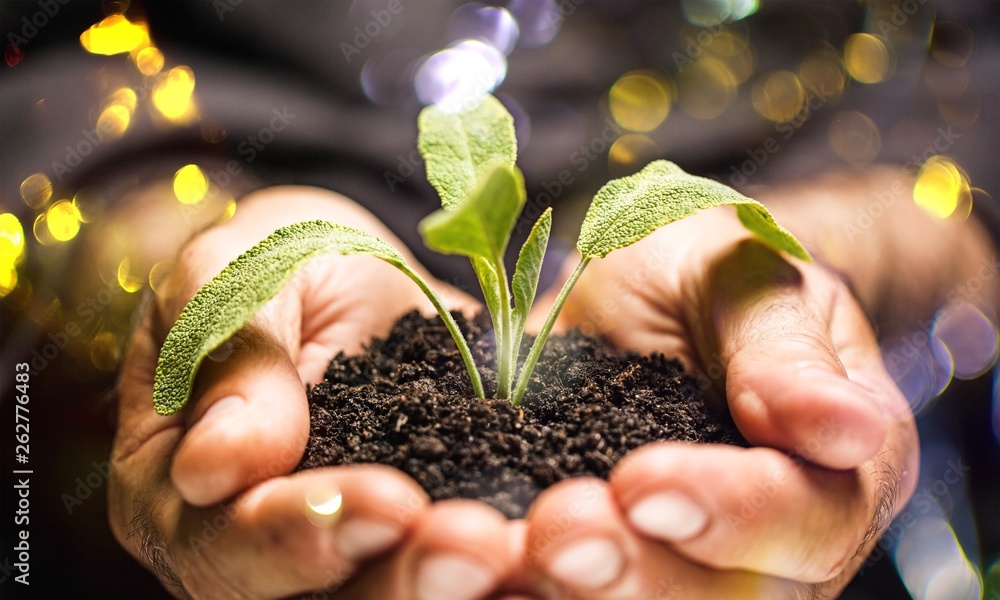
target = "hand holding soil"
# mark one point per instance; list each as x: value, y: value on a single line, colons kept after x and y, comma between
x: 672, y: 516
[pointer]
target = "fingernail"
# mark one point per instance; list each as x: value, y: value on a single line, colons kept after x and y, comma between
x: 453, y: 577
x: 670, y: 516
x: 592, y: 563
x: 360, y: 539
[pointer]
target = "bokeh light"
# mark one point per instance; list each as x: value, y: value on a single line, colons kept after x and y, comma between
x: 640, y: 101
x: 324, y: 504
x: 172, y: 95
x: 8, y: 279
x: 932, y: 563
x: 114, y: 120
x: 778, y: 96
x: 538, y: 21
x: 11, y: 239
x: 952, y: 43
x: 866, y: 58
x: 855, y: 138
x: 89, y: 204
x: 127, y: 278
x: 491, y: 24
x: 63, y: 221
x: 114, y: 35
x: 166, y: 278
x: 706, y: 88
x: 190, y: 184
x: 459, y: 76
x: 105, y: 351
x: 822, y: 71
x: 149, y: 60
x: 36, y: 190
x: 941, y: 187
x: 970, y: 336
x: 631, y: 151
x: 40, y: 229
x: 706, y: 13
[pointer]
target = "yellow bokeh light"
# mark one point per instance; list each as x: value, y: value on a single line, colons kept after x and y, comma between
x: 36, y: 190
x: 855, y: 138
x: 40, y: 229
x: 822, y: 72
x: 706, y: 88
x: 866, y: 58
x: 114, y: 120
x: 324, y: 504
x: 11, y: 240
x: 149, y: 60
x: 8, y: 278
x: 128, y: 282
x: 640, y: 101
x: 941, y: 187
x: 778, y: 96
x: 229, y: 211
x: 115, y: 35
x: 63, y: 221
x: 190, y: 184
x: 166, y: 278
x: 124, y: 96
x: 89, y: 203
x: 172, y: 95
x: 105, y: 351
x: 630, y: 150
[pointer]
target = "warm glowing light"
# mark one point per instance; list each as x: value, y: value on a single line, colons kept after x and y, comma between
x: 166, y: 279
x: 36, y: 190
x: 149, y: 60
x: 105, y: 351
x: 172, y: 95
x: 63, y: 221
x: 124, y: 96
x: 778, y: 96
x: 128, y: 282
x: 940, y: 187
x: 114, y: 120
x: 114, y: 35
x: 40, y: 229
x: 706, y: 88
x: 822, y: 72
x: 640, y: 101
x: 323, y: 505
x: 89, y: 203
x: 229, y: 211
x: 11, y: 240
x: 8, y: 279
x: 629, y: 151
x: 733, y: 50
x: 855, y: 138
x: 866, y: 58
x: 190, y: 184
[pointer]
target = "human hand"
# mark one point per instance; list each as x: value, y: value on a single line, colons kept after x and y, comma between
x: 205, y: 498
x: 835, y: 445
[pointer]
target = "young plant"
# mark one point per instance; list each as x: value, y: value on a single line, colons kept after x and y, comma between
x: 470, y: 160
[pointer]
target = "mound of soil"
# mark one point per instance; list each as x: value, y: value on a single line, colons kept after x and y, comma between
x: 407, y: 402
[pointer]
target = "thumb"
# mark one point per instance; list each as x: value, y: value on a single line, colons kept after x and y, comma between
x: 250, y: 419
x: 781, y: 332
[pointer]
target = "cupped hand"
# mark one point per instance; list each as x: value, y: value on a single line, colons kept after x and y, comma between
x: 784, y: 342
x: 205, y: 497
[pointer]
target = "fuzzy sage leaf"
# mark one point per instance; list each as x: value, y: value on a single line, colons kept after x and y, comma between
x: 628, y: 209
x: 225, y: 304
x: 457, y: 146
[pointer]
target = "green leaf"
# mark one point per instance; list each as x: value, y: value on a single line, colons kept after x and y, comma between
x: 529, y: 265
x: 628, y: 209
x: 481, y: 226
x: 225, y: 304
x: 489, y: 282
x: 457, y: 146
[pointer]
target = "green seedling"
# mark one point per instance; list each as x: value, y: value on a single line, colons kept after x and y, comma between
x: 470, y: 160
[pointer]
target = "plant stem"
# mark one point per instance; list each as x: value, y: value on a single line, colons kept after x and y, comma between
x: 505, y: 374
x: 543, y: 333
x: 456, y: 333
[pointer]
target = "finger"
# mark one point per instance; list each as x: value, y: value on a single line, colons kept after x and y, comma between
x: 250, y: 421
x: 289, y: 535
x: 579, y: 541
x: 753, y: 509
x: 784, y: 380
x: 458, y: 550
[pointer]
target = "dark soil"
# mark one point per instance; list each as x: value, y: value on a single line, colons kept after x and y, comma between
x: 407, y: 402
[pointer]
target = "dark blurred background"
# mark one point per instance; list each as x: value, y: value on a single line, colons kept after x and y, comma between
x: 127, y: 126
